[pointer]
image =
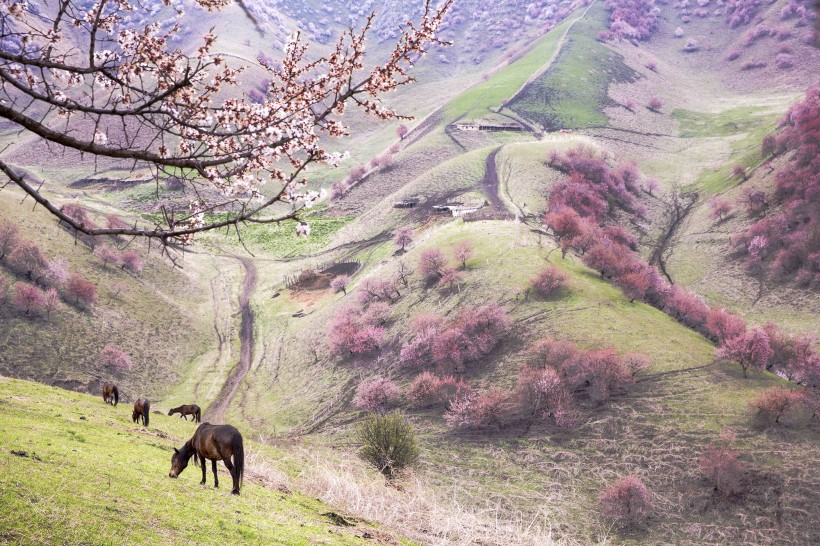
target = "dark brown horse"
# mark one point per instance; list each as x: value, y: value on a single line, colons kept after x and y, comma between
x: 141, y: 409
x: 214, y: 442
x: 186, y: 410
x: 111, y: 395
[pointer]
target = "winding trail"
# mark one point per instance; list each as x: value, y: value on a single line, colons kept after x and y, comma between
x: 216, y: 411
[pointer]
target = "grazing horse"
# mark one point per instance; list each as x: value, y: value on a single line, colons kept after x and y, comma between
x: 212, y: 442
x: 111, y: 395
x: 186, y: 410
x: 141, y: 409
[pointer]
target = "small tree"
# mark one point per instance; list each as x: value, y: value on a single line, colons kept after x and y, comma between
x: 549, y: 281
x: 720, y: 465
x: 450, y: 278
x: 114, y: 357
x: 339, y: 283
x: 376, y: 394
x: 403, y: 237
x: 724, y: 325
x: 106, y: 254
x: 776, y: 402
x: 57, y: 273
x: 750, y: 350
x: 388, y: 443
x: 739, y: 172
x: 402, y: 131
x: 720, y: 208
x: 28, y: 299
x: 627, y: 502
x: 655, y: 104
x: 115, y: 222
x: 131, y: 261
x: 404, y: 272
x: 83, y: 292
x: 52, y: 301
x: 8, y: 238
x: 651, y: 185
x: 768, y: 146
x: 431, y: 264
x: 462, y: 252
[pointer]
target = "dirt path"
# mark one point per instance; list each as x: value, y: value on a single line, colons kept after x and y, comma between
x: 489, y: 184
x: 216, y: 411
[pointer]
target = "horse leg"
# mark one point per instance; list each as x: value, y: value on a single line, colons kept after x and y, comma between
x: 202, y: 459
x: 216, y: 478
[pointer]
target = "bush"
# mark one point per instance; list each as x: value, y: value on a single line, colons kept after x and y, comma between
x: 655, y: 104
x: 376, y: 394
x: 348, y: 333
x: 549, y: 280
x: 477, y: 410
x: 429, y: 390
x: 626, y: 502
x: 114, y: 357
x: 539, y: 390
x: 388, y: 443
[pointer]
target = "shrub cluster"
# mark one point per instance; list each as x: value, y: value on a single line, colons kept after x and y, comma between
x: 631, y: 19
x: 452, y: 346
x: 45, y: 280
x: 785, y: 243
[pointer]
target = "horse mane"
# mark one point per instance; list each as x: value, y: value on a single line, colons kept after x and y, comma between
x: 188, y: 450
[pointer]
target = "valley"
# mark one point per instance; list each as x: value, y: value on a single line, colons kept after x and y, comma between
x: 575, y: 278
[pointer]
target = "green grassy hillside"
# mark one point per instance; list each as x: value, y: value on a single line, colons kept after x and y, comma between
x: 162, y: 317
x: 77, y: 471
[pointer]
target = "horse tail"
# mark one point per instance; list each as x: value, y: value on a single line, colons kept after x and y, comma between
x: 116, y: 395
x: 198, y: 415
x: 239, y: 457
x: 146, y: 412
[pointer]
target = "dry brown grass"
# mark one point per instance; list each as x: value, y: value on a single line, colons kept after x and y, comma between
x: 419, y: 512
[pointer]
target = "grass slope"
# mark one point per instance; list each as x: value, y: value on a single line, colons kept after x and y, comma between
x: 161, y: 316
x: 573, y: 93
x: 89, y: 476
x: 477, y: 101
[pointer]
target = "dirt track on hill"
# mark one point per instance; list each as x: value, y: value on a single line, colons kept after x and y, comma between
x: 489, y: 184
x: 216, y: 411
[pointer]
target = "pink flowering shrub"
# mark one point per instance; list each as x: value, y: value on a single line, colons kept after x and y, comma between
x: 626, y: 502
x: 377, y: 394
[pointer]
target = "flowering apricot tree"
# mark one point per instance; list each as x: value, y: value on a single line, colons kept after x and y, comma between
x: 86, y: 79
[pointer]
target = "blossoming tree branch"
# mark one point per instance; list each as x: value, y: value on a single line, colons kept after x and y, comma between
x: 84, y: 78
